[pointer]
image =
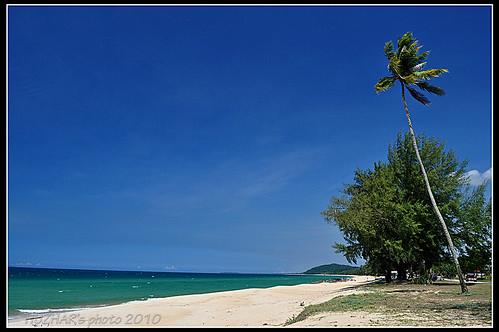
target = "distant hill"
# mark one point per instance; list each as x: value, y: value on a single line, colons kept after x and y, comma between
x: 334, y: 269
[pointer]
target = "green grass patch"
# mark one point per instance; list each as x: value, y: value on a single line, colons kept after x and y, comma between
x: 354, y: 302
x: 442, y: 302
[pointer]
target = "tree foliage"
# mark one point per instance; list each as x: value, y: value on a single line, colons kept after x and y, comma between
x: 387, y: 219
x: 475, y: 231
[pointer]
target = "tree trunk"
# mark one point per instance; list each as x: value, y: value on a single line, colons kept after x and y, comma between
x: 401, y: 273
x: 388, y: 276
x: 464, y: 288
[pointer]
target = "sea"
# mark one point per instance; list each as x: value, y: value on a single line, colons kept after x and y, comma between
x: 43, y: 290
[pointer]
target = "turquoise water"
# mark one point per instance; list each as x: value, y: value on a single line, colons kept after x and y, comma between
x: 38, y: 290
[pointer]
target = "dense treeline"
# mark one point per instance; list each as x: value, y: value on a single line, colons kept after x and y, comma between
x: 387, y: 218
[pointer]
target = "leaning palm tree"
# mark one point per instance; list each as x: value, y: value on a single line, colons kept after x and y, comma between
x: 405, y: 65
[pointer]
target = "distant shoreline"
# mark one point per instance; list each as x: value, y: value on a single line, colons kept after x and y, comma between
x: 28, y: 268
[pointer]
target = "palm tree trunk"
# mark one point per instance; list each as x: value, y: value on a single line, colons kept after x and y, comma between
x: 464, y: 288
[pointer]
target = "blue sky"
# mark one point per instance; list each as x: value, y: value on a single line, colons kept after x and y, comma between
x: 210, y: 138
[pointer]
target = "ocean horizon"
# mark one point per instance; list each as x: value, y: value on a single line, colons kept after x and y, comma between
x: 43, y: 290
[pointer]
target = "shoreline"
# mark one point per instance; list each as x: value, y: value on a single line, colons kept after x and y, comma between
x: 27, y: 312
x: 244, y: 307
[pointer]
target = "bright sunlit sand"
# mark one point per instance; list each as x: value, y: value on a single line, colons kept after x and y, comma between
x: 247, y: 307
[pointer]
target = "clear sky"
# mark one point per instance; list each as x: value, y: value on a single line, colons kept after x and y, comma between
x: 210, y: 139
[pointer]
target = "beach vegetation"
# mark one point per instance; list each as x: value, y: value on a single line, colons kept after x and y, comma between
x: 407, y: 304
x: 406, y: 65
x: 386, y: 215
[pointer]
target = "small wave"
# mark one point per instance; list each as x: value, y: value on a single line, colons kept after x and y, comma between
x: 135, y: 286
x: 46, y: 311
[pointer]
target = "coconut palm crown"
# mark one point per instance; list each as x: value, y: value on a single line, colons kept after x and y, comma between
x: 406, y: 66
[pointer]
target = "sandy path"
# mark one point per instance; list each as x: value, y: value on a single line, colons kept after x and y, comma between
x: 342, y: 319
x: 248, y: 307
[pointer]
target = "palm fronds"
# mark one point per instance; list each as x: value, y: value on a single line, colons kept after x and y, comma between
x: 406, y: 66
x: 384, y: 84
x: 418, y: 95
x: 430, y: 73
x: 389, y: 50
x: 430, y: 88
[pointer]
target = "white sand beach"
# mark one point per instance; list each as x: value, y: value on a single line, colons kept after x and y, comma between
x: 248, y: 307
